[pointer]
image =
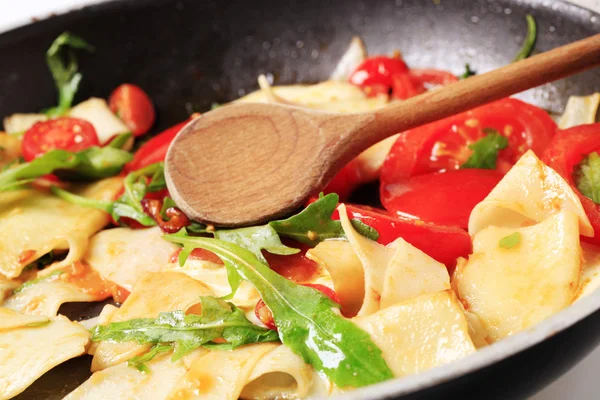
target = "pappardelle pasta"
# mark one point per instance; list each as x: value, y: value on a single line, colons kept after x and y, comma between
x: 490, y: 224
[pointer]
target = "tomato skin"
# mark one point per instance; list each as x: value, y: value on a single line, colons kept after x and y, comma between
x: 443, y: 243
x: 155, y: 149
x: 444, y: 198
x: 378, y: 71
x: 197, y: 254
x: 66, y: 133
x: 345, y: 181
x: 425, y: 77
x: 295, y: 267
x: 264, y: 314
x: 566, y: 151
x: 130, y: 103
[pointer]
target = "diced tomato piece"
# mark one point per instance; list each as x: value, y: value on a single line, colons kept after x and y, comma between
x: 131, y: 104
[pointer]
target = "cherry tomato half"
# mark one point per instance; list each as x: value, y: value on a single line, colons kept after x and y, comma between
x: 131, y: 104
x: 566, y: 151
x: 64, y: 133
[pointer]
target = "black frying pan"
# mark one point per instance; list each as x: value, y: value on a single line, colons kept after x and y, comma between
x: 188, y: 54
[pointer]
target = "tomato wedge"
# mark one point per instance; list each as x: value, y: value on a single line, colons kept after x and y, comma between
x: 64, y: 133
x: 429, y: 77
x: 443, y: 146
x: 378, y: 71
x: 445, y: 198
x: 155, y: 149
x: 566, y: 151
x: 443, y: 243
x: 131, y: 104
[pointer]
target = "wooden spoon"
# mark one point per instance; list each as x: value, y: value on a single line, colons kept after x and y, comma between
x: 245, y: 164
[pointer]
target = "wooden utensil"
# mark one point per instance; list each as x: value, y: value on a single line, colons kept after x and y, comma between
x: 245, y: 164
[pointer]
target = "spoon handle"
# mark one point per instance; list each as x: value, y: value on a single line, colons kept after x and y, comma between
x: 481, y: 89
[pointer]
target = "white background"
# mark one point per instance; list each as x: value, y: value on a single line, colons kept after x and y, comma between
x: 581, y: 383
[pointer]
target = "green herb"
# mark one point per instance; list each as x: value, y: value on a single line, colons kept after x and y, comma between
x: 37, y: 280
x: 42, y: 262
x: 64, y: 71
x: 129, y: 205
x: 485, y: 150
x: 184, y: 333
x: 307, y: 321
x: 510, y: 241
x: 255, y: 239
x: 314, y: 224
x: 214, y: 106
x: 468, y: 72
x: 529, y: 42
x: 139, y: 362
x: 119, y: 141
x: 587, y: 177
x: 89, y: 164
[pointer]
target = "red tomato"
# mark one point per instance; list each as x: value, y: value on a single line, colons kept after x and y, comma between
x: 566, y: 151
x: 64, y: 133
x: 443, y: 146
x: 404, y: 86
x: 131, y: 104
x: 345, y: 181
x: 445, y: 198
x: 264, y: 314
x: 378, y: 70
x: 295, y: 267
x: 197, y: 254
x: 428, y: 78
x: 155, y: 149
x: 443, y: 243
x: 132, y: 223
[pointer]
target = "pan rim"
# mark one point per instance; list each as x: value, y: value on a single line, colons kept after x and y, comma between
x: 414, y: 383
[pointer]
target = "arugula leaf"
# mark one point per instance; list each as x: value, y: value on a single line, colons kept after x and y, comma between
x: 485, y: 150
x: 510, y: 241
x: 314, y: 224
x: 119, y: 141
x: 89, y: 164
x: 529, y: 42
x: 184, y: 332
x: 139, y: 362
x: 129, y: 204
x: 305, y: 318
x: 255, y: 239
x: 64, y: 73
x: 468, y: 72
x: 587, y: 177
x: 38, y: 280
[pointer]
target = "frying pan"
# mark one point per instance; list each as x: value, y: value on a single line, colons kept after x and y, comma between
x: 188, y: 54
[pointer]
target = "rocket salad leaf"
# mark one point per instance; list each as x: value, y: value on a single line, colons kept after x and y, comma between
x: 89, y: 164
x: 255, y: 239
x: 64, y: 73
x: 185, y: 333
x: 307, y: 321
x: 485, y: 150
x: 314, y: 224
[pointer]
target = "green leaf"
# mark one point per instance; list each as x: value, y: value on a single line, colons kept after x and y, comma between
x: 485, y: 150
x: 587, y: 177
x: 314, y: 224
x: 255, y: 239
x: 468, y: 72
x: 119, y: 141
x: 510, y: 241
x: 38, y: 280
x: 307, y: 321
x: 129, y: 204
x: 38, y: 324
x: 64, y: 72
x: 529, y: 42
x: 188, y: 332
x: 139, y: 362
x: 89, y: 164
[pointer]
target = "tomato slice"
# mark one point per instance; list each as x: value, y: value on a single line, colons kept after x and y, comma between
x: 443, y: 146
x: 566, y: 151
x: 378, y: 70
x: 445, y: 198
x: 295, y: 267
x: 264, y: 314
x: 64, y: 133
x: 428, y: 77
x: 155, y: 149
x: 197, y: 254
x: 131, y: 104
x: 443, y: 243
